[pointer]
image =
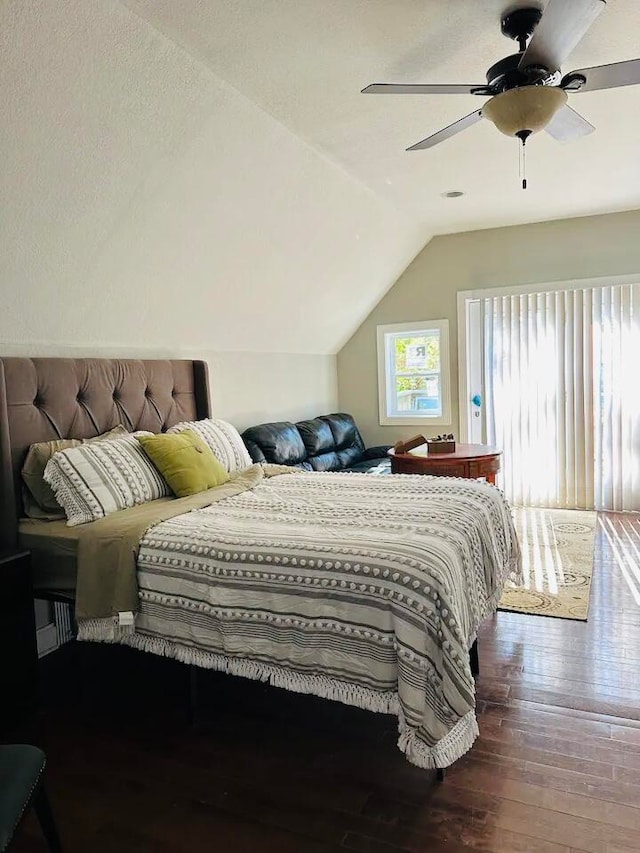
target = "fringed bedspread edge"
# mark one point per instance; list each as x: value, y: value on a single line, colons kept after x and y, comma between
x: 444, y: 753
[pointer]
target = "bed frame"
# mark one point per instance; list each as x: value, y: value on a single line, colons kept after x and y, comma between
x: 42, y: 399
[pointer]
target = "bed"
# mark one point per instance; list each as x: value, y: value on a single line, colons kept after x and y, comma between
x: 366, y: 590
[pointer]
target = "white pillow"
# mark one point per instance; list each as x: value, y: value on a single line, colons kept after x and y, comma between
x: 223, y: 439
x: 93, y: 480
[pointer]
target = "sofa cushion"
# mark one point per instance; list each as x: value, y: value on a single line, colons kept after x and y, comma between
x: 345, y: 432
x: 279, y: 443
x: 348, y: 456
x: 325, y: 462
x: 320, y: 444
x: 317, y: 436
x: 380, y: 451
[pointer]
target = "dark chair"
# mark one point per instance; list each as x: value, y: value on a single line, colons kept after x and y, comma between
x: 21, y: 786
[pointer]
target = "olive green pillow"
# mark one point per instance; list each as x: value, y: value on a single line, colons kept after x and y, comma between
x: 185, y: 461
x: 37, y: 496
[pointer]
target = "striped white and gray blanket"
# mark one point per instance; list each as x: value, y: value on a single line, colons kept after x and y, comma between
x: 368, y: 590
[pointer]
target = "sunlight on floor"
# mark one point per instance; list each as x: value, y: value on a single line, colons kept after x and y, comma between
x: 540, y: 555
x: 557, y: 558
x: 623, y: 541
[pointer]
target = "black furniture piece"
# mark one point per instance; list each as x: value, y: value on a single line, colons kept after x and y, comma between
x: 326, y: 443
x: 18, y: 648
x: 21, y: 786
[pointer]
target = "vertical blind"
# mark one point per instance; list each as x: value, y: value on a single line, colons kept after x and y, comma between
x: 561, y: 395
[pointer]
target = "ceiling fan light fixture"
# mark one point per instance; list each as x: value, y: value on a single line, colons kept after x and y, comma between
x: 524, y: 108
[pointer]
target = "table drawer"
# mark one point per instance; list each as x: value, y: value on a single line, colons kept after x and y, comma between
x: 435, y: 469
x: 459, y: 469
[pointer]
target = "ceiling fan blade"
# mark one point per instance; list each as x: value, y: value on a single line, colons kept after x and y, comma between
x: 605, y: 76
x: 423, y: 89
x: 563, y: 24
x: 567, y: 125
x: 446, y: 132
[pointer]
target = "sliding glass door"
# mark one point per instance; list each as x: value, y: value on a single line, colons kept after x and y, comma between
x: 616, y: 391
x: 557, y: 373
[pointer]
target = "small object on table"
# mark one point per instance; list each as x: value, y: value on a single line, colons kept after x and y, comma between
x: 441, y: 444
x: 409, y: 444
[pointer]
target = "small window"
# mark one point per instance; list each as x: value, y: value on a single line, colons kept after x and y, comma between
x: 413, y: 373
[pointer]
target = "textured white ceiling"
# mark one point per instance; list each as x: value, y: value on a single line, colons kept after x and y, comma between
x: 146, y: 201
x: 306, y: 62
x: 206, y: 173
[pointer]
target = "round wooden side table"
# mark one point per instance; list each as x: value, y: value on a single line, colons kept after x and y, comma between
x: 468, y: 460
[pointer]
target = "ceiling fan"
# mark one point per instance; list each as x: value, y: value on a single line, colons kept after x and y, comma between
x: 527, y: 91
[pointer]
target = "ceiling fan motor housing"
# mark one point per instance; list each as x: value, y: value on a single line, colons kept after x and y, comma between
x: 506, y: 74
x: 519, y: 24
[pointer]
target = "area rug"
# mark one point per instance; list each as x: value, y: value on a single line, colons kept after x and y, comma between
x: 557, y: 560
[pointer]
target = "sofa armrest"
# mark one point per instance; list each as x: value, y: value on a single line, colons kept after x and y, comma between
x: 255, y: 451
x: 279, y: 443
x: 377, y: 452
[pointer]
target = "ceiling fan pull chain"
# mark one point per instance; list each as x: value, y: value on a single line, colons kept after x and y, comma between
x: 523, y: 135
x: 519, y: 161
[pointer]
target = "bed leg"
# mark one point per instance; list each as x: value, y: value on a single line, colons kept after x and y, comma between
x: 84, y: 667
x: 474, y: 659
x: 440, y: 771
x: 194, y: 716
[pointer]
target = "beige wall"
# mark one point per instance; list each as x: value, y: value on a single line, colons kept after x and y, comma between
x: 550, y: 251
x: 145, y: 202
x: 149, y: 207
x: 246, y: 387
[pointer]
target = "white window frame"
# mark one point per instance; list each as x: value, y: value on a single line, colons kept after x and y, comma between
x: 386, y: 370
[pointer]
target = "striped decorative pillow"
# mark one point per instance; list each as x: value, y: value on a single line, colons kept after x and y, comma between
x: 93, y: 480
x: 223, y: 439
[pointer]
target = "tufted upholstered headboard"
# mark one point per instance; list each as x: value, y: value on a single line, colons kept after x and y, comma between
x: 46, y: 398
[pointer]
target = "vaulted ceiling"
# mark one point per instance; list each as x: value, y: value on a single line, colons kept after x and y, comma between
x: 208, y: 172
x: 305, y: 63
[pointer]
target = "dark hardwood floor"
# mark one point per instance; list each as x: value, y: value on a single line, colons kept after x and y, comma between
x: 555, y: 770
